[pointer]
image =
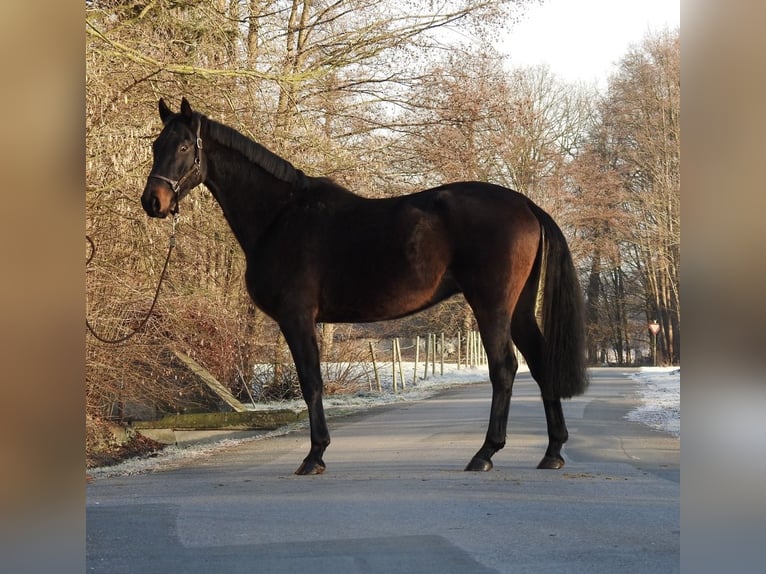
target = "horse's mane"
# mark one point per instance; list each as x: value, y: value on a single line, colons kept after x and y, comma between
x: 254, y: 152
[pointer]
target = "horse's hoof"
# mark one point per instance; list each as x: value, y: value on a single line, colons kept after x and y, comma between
x: 310, y: 467
x: 552, y: 462
x: 478, y: 464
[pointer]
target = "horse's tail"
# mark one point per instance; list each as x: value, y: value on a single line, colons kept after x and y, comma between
x: 560, y: 314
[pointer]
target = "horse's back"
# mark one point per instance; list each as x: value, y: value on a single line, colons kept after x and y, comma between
x: 462, y: 220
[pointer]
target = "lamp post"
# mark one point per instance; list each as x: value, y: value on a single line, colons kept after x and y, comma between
x: 654, y: 328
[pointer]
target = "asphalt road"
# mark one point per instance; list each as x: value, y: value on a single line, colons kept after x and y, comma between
x: 395, y: 498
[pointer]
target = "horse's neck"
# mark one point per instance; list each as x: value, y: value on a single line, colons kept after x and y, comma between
x: 250, y: 197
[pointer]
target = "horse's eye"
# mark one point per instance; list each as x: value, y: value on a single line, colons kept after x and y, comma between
x: 183, y: 148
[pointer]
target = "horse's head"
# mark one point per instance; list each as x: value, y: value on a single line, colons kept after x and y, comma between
x: 178, y: 164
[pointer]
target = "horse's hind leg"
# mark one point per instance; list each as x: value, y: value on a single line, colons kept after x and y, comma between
x: 502, y: 370
x: 557, y: 434
x: 530, y: 342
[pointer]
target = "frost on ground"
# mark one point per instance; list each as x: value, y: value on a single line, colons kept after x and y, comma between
x: 172, y: 456
x: 660, y: 393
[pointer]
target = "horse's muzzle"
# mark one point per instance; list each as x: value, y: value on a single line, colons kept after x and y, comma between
x: 158, y: 200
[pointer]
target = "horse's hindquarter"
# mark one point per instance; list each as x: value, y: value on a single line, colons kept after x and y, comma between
x: 494, y: 233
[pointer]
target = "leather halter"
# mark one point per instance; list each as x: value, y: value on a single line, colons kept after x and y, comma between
x: 175, y: 184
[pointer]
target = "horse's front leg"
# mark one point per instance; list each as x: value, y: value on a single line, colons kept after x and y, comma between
x: 301, y: 338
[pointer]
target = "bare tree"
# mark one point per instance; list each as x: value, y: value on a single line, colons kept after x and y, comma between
x: 643, y: 109
x: 626, y: 199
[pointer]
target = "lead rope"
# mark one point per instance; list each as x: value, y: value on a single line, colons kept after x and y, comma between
x: 140, y: 327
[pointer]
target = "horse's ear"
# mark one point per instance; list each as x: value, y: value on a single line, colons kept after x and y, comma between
x: 186, y: 110
x: 165, y: 112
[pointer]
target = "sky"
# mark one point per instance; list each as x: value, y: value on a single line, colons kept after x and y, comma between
x: 581, y: 40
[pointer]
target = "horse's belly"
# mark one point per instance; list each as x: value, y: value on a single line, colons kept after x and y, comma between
x: 374, y: 298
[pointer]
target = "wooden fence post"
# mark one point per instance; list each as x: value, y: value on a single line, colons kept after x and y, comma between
x: 393, y: 365
x: 375, y: 367
x: 441, y: 356
x: 458, y: 350
x: 417, y: 358
x: 433, y: 354
x: 468, y: 339
x: 399, y: 358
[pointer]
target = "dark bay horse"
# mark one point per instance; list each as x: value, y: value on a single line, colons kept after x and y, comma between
x: 316, y: 252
